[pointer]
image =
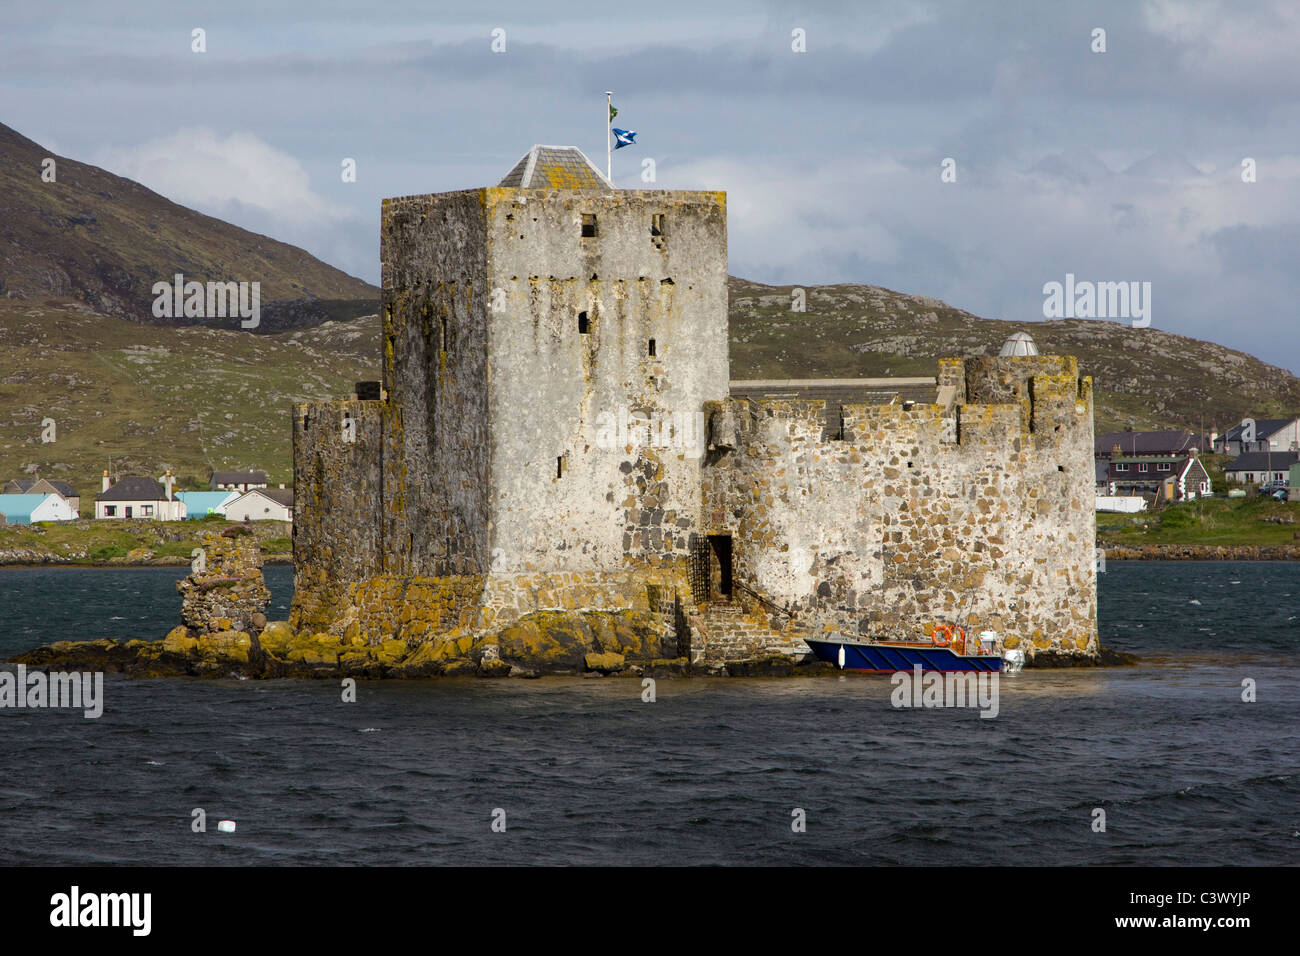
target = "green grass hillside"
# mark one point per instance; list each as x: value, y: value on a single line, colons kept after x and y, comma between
x: 149, y: 397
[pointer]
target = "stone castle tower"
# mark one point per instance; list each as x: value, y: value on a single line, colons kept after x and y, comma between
x: 556, y: 433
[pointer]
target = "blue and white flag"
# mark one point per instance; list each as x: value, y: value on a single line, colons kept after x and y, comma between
x: 624, y: 137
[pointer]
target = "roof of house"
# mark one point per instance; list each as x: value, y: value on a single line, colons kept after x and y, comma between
x: 281, y: 496
x: 1263, y: 428
x: 239, y: 477
x: 1263, y: 461
x: 19, y: 508
x: 134, y: 488
x: 555, y: 167
x: 1146, y: 443
x: 22, y: 486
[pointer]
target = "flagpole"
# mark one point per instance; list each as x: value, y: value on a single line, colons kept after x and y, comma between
x: 609, y: 121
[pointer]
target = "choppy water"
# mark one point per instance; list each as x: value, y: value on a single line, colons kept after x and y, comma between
x: 709, y: 773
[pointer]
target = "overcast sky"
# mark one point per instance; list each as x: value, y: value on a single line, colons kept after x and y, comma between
x: 1123, y: 165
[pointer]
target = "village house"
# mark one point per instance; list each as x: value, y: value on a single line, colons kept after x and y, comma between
x: 44, y: 486
x: 137, y: 497
x: 240, y: 481
x: 29, y: 508
x: 262, y: 504
x: 1271, y: 434
x: 1179, y: 479
x: 1259, y: 467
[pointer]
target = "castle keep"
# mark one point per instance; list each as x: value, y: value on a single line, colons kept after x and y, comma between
x: 557, y: 458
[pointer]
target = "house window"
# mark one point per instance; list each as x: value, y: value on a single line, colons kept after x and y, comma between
x: 1250, y: 477
x: 1142, y: 467
x: 110, y: 511
x: 1121, y: 467
x: 1162, y: 467
x: 146, y: 511
x: 589, y: 225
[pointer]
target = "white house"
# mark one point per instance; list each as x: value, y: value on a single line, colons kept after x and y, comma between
x: 28, y: 509
x: 139, y: 498
x: 262, y: 504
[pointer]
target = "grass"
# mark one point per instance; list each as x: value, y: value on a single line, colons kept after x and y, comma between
x: 89, y: 541
x: 1210, y: 521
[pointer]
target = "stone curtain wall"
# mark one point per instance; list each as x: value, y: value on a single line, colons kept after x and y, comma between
x: 919, y: 517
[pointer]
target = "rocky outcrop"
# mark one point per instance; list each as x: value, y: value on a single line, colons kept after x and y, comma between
x: 225, y: 591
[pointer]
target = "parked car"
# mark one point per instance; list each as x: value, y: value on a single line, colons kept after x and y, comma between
x: 1271, y: 488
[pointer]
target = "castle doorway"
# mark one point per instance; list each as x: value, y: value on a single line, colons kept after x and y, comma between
x: 720, y: 567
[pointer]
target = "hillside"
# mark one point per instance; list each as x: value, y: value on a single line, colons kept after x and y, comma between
x: 104, y: 240
x: 1144, y: 378
x: 152, y: 397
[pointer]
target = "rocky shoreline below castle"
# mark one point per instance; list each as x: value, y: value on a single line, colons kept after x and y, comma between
x: 224, y: 633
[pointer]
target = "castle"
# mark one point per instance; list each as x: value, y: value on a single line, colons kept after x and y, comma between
x: 556, y: 434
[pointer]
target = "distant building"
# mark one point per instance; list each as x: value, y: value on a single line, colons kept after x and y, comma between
x: 29, y: 508
x: 44, y: 486
x: 1271, y: 434
x: 262, y: 504
x: 200, y: 504
x: 240, y: 481
x: 138, y: 498
x: 1258, y: 467
x: 1172, y: 444
x: 1179, y: 479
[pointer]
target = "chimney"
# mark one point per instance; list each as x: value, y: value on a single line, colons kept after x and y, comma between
x: 168, y: 481
x: 106, y: 484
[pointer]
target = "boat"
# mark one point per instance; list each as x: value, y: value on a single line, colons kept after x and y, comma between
x: 947, y: 651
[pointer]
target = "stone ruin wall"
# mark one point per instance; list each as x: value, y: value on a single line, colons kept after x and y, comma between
x: 980, y: 515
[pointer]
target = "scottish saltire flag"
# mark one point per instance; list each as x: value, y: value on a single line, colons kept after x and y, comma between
x: 624, y: 137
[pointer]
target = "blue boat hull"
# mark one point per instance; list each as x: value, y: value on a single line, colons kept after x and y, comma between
x: 889, y: 659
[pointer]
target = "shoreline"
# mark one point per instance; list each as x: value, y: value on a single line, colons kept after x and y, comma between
x: 1124, y: 552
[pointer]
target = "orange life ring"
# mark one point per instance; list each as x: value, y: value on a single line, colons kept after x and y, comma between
x: 934, y: 635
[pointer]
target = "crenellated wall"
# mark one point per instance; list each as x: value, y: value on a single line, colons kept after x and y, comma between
x: 981, y: 515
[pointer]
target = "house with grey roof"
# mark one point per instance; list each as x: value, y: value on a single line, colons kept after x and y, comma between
x: 44, y: 486
x: 262, y: 504
x: 240, y: 481
x: 1259, y: 467
x: 135, y: 497
x: 1260, y: 434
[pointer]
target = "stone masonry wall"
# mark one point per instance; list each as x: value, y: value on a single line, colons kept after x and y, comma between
x: 982, y: 516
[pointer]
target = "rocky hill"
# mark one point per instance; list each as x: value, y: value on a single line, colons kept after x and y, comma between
x: 104, y: 240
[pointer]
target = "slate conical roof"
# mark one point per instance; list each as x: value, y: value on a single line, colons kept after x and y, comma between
x: 555, y: 167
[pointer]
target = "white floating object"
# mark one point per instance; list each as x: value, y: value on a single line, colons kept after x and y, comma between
x: 226, y: 826
x: 841, y: 657
x: 1014, y: 661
